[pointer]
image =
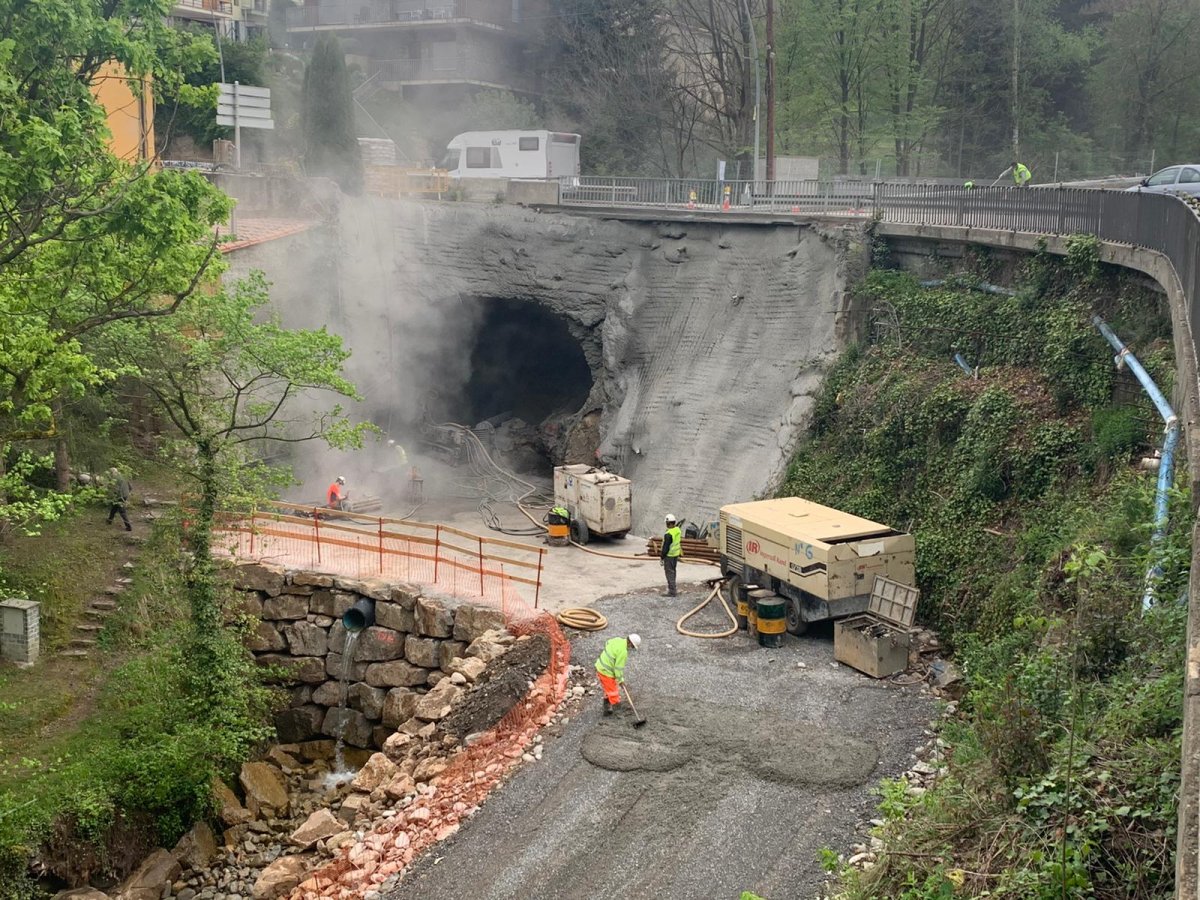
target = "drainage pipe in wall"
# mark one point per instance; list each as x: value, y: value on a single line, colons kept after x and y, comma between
x: 1166, y: 467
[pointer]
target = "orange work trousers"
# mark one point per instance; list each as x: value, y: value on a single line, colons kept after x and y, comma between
x: 611, y: 690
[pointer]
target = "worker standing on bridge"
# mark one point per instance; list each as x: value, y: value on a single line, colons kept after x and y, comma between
x: 1021, y: 174
x: 336, y: 495
x: 610, y: 668
x: 672, y: 549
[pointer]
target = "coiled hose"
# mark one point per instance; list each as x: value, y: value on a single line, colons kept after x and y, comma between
x: 715, y: 592
x: 582, y: 618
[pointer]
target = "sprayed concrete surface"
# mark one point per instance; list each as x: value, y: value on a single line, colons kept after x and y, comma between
x: 748, y: 765
x: 705, y: 342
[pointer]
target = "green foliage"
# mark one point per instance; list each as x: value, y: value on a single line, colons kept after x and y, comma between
x: 327, y: 118
x: 1032, y: 537
x: 153, y: 749
x: 88, y: 239
x: 1083, y: 256
x: 191, y: 107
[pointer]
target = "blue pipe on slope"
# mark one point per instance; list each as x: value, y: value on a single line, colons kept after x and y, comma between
x: 1166, y: 466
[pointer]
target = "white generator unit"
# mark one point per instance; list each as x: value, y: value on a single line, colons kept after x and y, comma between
x: 600, y: 503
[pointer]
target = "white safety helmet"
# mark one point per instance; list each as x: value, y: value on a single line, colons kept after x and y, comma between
x: 671, y: 520
x: 635, y: 640
x: 341, y: 479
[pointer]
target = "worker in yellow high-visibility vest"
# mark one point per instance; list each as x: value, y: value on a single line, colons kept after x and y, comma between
x: 610, y: 668
x: 1021, y: 174
x: 672, y: 549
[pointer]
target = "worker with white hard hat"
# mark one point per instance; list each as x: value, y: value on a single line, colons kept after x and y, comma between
x: 672, y: 549
x: 335, y: 497
x: 610, y: 668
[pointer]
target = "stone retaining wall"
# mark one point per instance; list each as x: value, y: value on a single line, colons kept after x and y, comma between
x: 417, y: 643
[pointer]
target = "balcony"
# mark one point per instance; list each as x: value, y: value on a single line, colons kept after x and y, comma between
x: 375, y: 14
x: 203, y: 10
x: 255, y: 7
x: 396, y: 73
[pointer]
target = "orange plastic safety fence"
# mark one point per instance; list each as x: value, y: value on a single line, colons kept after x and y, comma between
x: 436, y: 813
x: 450, y: 559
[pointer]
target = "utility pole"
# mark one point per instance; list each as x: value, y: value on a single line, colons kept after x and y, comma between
x: 757, y: 86
x: 1016, y: 81
x: 770, y: 91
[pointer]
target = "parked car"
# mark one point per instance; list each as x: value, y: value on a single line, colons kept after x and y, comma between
x: 1172, y: 180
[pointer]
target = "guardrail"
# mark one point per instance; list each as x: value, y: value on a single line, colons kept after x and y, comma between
x: 1160, y: 222
x: 705, y: 194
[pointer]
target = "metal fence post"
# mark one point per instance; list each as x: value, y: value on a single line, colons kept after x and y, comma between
x: 480, y: 567
x: 537, y: 591
x: 381, y: 545
x: 437, y: 551
x: 317, y: 532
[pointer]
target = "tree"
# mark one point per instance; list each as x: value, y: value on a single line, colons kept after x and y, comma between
x: 228, y: 377
x: 1146, y: 83
x: 327, y: 116
x: 711, y: 48
x: 191, y: 108
x: 86, y: 240
x: 609, y: 76
x: 826, y: 69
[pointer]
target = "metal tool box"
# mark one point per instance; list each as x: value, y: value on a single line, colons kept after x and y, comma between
x: 877, y: 642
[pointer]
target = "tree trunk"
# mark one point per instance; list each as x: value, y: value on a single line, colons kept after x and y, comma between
x: 62, y: 457
x: 201, y: 580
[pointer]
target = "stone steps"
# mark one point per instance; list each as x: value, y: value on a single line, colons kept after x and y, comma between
x: 108, y: 605
x: 82, y: 643
x: 74, y: 654
x: 89, y: 627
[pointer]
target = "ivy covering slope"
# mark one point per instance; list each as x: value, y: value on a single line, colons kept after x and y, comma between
x: 1032, y: 525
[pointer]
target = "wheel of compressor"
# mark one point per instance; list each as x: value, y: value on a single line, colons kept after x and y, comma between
x: 794, y: 621
x: 579, y: 531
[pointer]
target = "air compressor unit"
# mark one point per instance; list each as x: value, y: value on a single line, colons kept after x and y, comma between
x: 822, y: 560
x: 600, y: 503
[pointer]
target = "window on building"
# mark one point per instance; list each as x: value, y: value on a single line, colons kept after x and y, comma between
x: 479, y: 157
x: 528, y: 143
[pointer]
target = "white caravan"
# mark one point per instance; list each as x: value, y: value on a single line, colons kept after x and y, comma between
x: 513, y: 154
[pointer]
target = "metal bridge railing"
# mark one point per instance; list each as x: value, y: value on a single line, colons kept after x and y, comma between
x: 709, y: 195
x: 1160, y: 222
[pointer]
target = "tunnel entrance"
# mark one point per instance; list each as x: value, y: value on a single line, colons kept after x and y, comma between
x: 523, y: 362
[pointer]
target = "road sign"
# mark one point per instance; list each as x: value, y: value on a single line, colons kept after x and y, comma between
x: 243, y: 106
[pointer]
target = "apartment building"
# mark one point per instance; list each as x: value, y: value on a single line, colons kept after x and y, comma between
x: 236, y: 20
x: 432, y: 50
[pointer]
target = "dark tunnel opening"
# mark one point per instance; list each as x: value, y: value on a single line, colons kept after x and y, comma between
x: 524, y: 362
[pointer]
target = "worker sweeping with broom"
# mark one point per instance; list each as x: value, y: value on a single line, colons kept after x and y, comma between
x: 610, y: 669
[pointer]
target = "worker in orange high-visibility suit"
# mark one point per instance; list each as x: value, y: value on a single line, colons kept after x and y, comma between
x: 610, y: 668
x: 336, y: 495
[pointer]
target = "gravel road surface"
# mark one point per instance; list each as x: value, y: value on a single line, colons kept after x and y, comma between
x: 751, y: 761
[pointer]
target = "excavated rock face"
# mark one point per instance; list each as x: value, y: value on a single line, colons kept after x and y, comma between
x: 704, y: 341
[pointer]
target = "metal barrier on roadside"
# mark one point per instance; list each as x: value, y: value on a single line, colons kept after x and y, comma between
x: 1160, y: 222
x: 456, y: 561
